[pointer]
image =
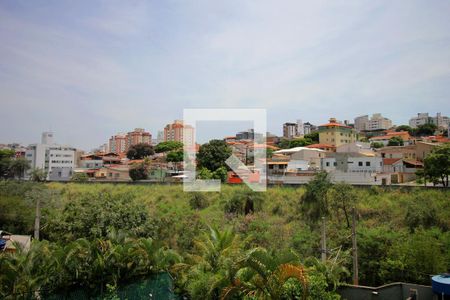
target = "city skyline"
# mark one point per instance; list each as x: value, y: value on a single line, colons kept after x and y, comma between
x: 87, y: 74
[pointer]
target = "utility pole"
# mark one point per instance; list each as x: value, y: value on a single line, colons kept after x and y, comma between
x: 324, y: 241
x: 37, y: 220
x: 355, y: 249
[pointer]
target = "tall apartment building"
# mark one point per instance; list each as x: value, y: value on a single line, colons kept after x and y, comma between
x: 336, y: 134
x: 360, y: 123
x: 57, y: 161
x: 179, y: 132
x: 138, y: 136
x: 376, y: 122
x: 424, y: 118
x: 309, y: 128
x: 300, y: 128
x: 121, y: 142
x: 118, y: 143
x: 290, y: 130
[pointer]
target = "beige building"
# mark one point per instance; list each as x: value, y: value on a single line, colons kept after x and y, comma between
x: 336, y: 134
x: 179, y: 132
x: 376, y: 122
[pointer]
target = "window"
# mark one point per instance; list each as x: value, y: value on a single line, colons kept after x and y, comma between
x: 360, y: 163
x: 367, y: 163
x: 335, y: 164
x: 328, y: 164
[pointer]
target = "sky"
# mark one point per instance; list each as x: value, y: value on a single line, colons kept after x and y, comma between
x: 89, y: 69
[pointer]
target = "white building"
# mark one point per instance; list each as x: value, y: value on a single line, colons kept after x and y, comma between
x: 423, y: 118
x: 300, y: 128
x: 57, y: 161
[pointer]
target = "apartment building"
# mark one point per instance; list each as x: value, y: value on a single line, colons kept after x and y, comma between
x: 138, y: 136
x: 179, y: 132
x: 424, y: 118
x: 118, y: 143
x: 375, y: 123
x: 290, y: 130
x: 336, y: 134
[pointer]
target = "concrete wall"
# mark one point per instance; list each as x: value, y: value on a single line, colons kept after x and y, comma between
x: 393, y: 291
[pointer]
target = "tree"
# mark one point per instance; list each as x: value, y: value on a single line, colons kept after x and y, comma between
x: 211, y: 267
x: 140, y: 151
x: 342, y: 197
x: 38, y: 175
x: 376, y: 145
x: 437, y: 164
x: 213, y: 155
x: 425, y: 129
x: 263, y: 276
x: 313, y: 136
x: 168, y: 146
x: 302, y: 142
x: 19, y: 166
x: 314, y: 202
x: 138, y: 171
x: 395, y: 141
x: 6, y: 156
x: 175, y: 156
x: 405, y: 128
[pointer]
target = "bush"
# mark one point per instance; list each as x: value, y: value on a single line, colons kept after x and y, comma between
x: 198, y: 200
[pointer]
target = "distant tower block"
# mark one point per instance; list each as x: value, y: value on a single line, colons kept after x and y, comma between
x: 47, y: 138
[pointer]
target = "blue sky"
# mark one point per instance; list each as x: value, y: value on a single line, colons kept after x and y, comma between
x: 88, y: 69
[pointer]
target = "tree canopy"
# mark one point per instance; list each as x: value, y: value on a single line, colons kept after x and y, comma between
x: 395, y: 141
x: 213, y: 155
x: 168, y: 146
x: 437, y: 164
x: 140, y: 151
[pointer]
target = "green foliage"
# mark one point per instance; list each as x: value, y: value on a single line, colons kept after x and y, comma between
x: 244, y: 202
x: 38, y: 175
x: 221, y: 174
x: 421, y: 212
x: 175, y: 156
x: 140, y: 151
x: 168, y: 146
x: 405, y: 128
x: 213, y: 155
x: 91, y: 215
x: 314, y: 202
x: 425, y: 130
x: 342, y: 197
x: 395, y: 141
x: 437, y: 164
x: 138, y: 171
x: 6, y: 156
x: 91, y: 264
x: 86, y: 248
x: 264, y: 275
x: 376, y: 145
x: 198, y: 200
x: 80, y: 177
x: 204, y: 173
x: 300, y: 142
x: 313, y: 136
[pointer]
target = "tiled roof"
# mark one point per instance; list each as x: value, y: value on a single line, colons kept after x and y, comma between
x: 390, y: 161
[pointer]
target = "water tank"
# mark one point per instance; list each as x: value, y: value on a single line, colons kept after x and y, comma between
x: 441, y: 285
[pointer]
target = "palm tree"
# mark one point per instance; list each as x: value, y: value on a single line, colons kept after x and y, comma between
x: 212, y: 269
x: 262, y: 275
